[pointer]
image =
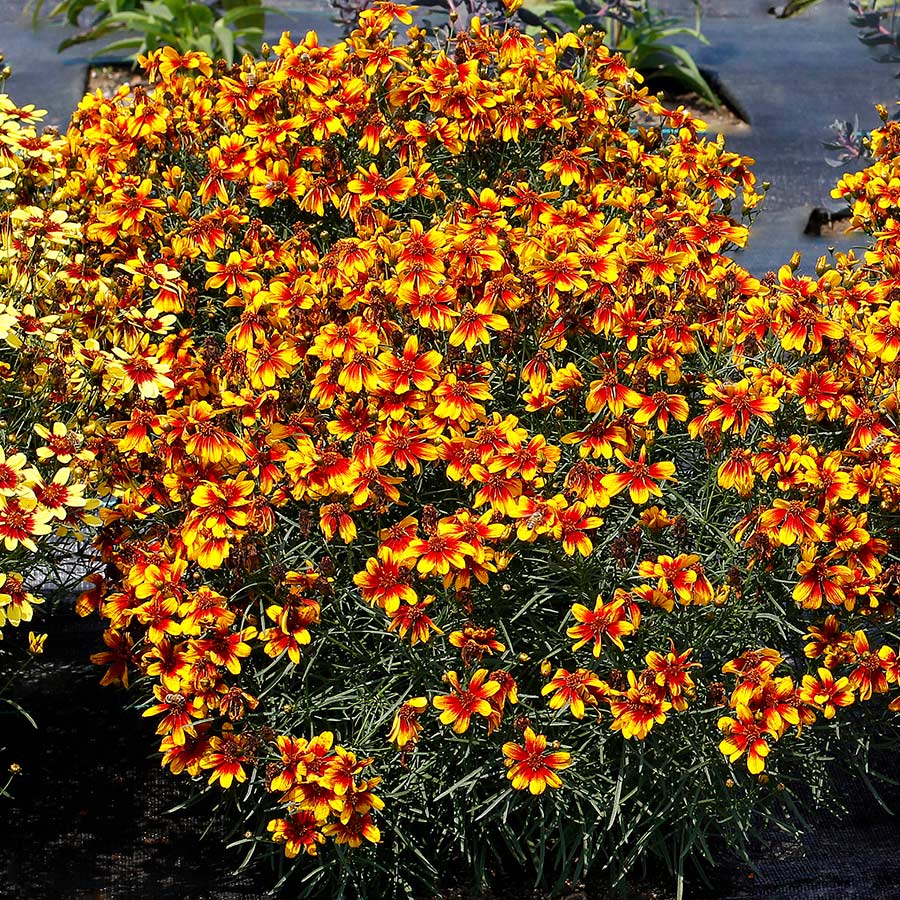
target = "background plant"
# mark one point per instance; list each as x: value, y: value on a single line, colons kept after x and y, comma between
x: 878, y: 23
x: 220, y: 28
x: 637, y: 30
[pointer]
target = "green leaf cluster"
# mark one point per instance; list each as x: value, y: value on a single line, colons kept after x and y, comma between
x: 220, y: 28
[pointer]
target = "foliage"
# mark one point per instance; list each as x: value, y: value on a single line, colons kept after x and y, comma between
x: 224, y: 28
x: 468, y: 508
x: 879, y: 24
x: 877, y: 20
x: 847, y: 142
x: 791, y: 8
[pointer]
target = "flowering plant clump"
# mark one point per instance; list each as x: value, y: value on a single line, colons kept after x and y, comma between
x: 467, y: 504
x: 46, y: 457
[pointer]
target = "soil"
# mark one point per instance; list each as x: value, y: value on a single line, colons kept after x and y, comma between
x: 108, y: 79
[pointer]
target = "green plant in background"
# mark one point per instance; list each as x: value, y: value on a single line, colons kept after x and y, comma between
x: 220, y: 28
x: 791, y: 8
x: 642, y: 34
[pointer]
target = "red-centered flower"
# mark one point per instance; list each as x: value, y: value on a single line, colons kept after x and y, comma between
x: 883, y: 334
x: 456, y: 399
x: 13, y: 474
x: 22, y: 520
x: 662, y: 407
x: 343, y: 769
x: 411, y: 369
x: 345, y: 341
x: 119, y: 657
x: 873, y: 669
x: 600, y: 438
x: 830, y: 641
x: 176, y: 711
x: 270, y: 361
x: 574, y: 690
x: 676, y: 573
x: 562, y: 273
x: 294, y: 753
x: 568, y: 165
x: 358, y: 799
x: 354, y: 831
x: 748, y: 734
x: 205, y: 608
x: 167, y: 661
x: 226, y: 756
x: 500, y: 487
x: 821, y: 582
x: 371, y: 186
x: 334, y: 519
x: 188, y: 756
x: 224, y: 648
x: 779, y: 699
x: 654, y: 263
x: 826, y: 694
x: 160, y: 616
x: 299, y: 831
x: 412, y: 619
x: 571, y: 526
x: 803, y: 327
x: 819, y: 392
x: 291, y: 632
x: 404, y: 444
x: 460, y: 705
x: 640, y: 479
x: 868, y: 424
x: 442, y: 551
x: 753, y: 668
x: 406, y: 726
x: 509, y: 690
x: 737, y: 471
x: 473, y: 324
x: 528, y: 458
x: 236, y: 274
x: 196, y: 426
x: 397, y: 541
x: 790, y: 521
x: 277, y: 183
x: 636, y: 710
x: 131, y: 205
x: 219, y: 504
x: 531, y: 767
x: 714, y: 232
x: 171, y: 61
x: 608, y: 392
x: 605, y: 619
x: 385, y: 583
x: 672, y: 672
x: 315, y: 795
x: 733, y: 406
